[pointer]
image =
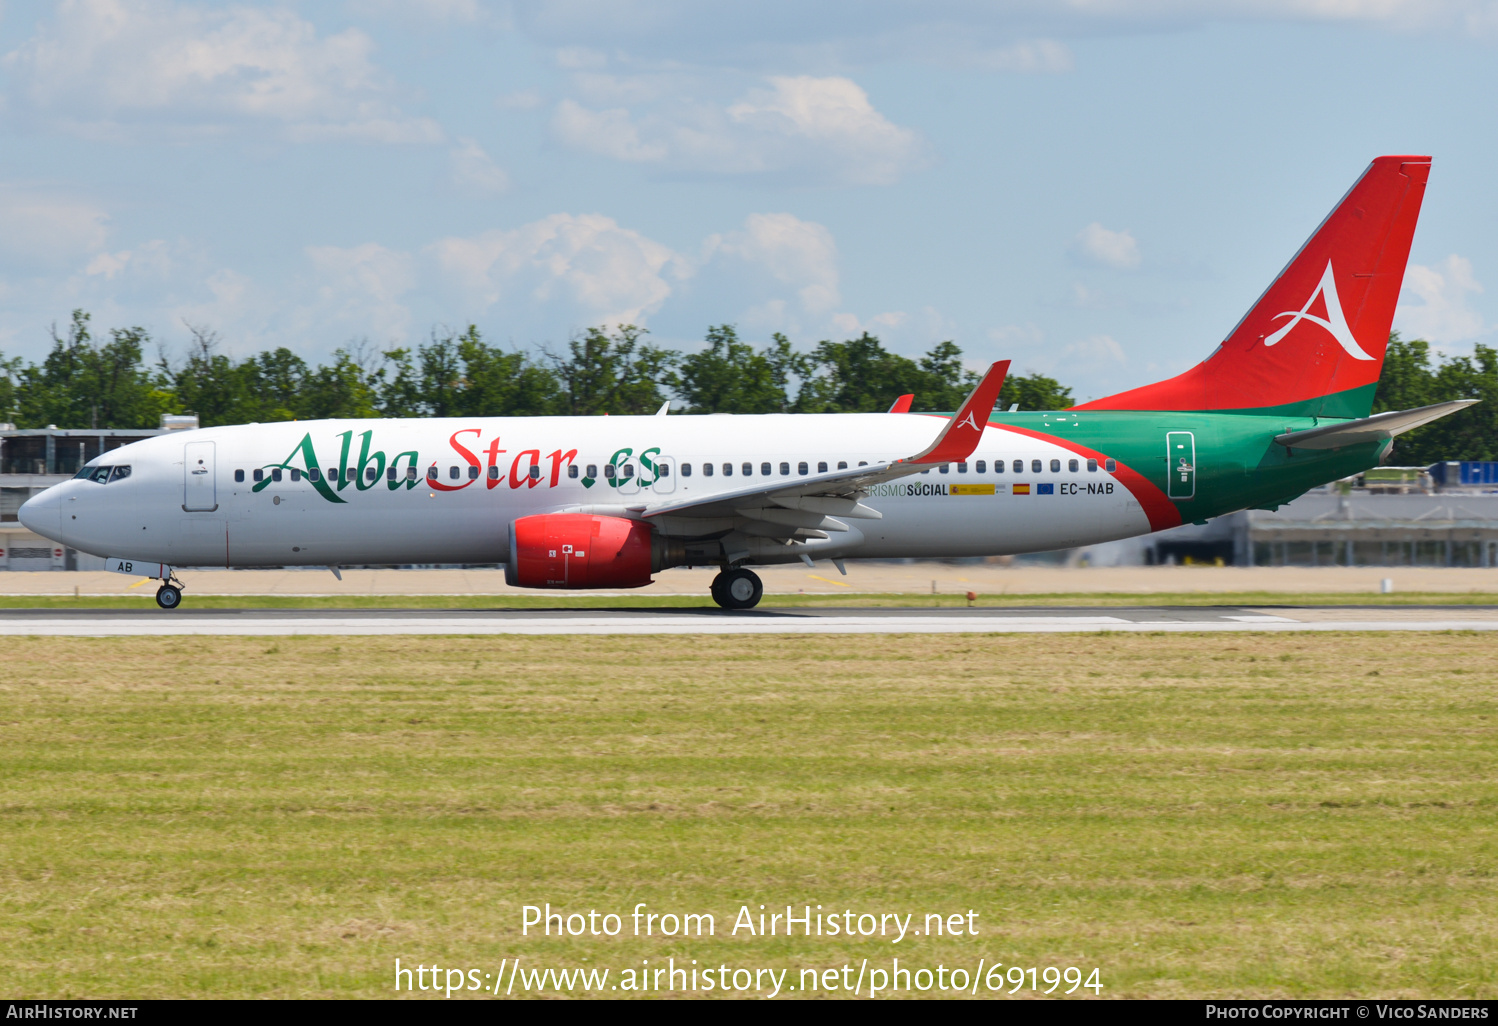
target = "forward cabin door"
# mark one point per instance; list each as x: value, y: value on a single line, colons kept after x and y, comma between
x: 199, y: 490
x: 1180, y: 464
x: 665, y: 474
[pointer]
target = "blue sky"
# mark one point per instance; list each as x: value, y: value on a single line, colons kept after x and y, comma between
x: 1096, y: 189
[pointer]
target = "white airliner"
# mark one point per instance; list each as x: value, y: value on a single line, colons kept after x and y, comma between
x: 605, y: 502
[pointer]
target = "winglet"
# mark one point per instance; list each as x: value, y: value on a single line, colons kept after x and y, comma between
x: 902, y: 404
x: 960, y: 437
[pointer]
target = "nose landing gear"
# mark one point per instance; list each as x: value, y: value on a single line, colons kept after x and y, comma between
x: 738, y: 589
x: 169, y: 595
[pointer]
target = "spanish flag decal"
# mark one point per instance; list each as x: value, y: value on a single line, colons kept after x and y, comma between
x: 1021, y: 489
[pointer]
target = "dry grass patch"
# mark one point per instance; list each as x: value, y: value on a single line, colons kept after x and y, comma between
x: 1195, y: 814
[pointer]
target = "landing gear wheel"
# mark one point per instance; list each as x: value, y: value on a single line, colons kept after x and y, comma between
x: 738, y: 589
x: 168, y: 596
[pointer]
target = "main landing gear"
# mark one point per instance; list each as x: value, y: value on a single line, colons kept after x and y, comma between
x: 738, y: 589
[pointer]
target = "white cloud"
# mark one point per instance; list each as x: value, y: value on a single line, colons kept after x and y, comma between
x: 100, y: 64
x: 801, y: 254
x: 1092, y: 351
x: 475, y: 169
x: 1442, y: 314
x: 586, y: 262
x: 39, y: 227
x: 821, y: 129
x: 360, y: 288
x: 1100, y: 245
x: 1015, y: 36
x: 609, y: 133
x: 525, y: 99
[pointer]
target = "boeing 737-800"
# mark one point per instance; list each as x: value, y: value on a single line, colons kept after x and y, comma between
x: 1282, y: 405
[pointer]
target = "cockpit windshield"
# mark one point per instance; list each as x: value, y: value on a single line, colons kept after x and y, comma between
x: 103, y: 475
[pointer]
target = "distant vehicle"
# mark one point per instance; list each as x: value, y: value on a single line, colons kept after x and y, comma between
x: 1282, y: 405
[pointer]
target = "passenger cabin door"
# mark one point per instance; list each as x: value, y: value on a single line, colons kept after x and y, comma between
x: 1180, y: 464
x: 199, y: 491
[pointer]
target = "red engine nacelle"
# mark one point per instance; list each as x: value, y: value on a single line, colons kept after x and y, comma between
x: 576, y: 550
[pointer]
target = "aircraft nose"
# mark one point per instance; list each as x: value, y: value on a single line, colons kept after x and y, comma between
x: 42, y: 514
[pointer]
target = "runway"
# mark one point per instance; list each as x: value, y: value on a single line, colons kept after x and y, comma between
x: 1018, y: 620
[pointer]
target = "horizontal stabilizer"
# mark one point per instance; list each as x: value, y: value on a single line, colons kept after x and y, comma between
x: 1369, y: 429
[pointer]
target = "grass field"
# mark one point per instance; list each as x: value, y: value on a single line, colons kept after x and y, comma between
x: 555, y: 600
x: 1253, y: 815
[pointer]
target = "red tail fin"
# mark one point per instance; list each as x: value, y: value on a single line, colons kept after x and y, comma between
x: 1316, y: 337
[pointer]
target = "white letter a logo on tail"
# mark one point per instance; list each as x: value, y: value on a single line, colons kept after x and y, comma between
x: 1334, y: 322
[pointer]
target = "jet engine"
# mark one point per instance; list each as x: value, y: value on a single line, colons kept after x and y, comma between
x: 580, y: 550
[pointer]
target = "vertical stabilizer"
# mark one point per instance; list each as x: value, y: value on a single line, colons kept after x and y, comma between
x: 1314, y: 342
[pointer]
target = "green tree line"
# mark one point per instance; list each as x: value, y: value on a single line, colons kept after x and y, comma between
x: 1412, y: 377
x: 89, y: 381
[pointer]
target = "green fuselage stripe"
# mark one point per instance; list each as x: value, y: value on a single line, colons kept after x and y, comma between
x: 1237, y: 464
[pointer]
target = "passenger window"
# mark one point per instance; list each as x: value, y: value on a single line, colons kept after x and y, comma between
x: 981, y: 466
x: 314, y: 474
x: 629, y: 471
x: 610, y: 471
x: 1055, y: 466
x: 452, y: 472
x: 296, y: 475
x: 370, y: 474
x: 801, y: 468
x: 821, y: 466
x: 1110, y: 465
x: 707, y: 470
x: 1092, y: 466
x: 747, y: 469
x: 275, y: 475
x: 473, y: 472
x: 1034, y: 466
x: 120, y: 473
x: 535, y: 472
x: 863, y: 463
x: 333, y: 475
x: 945, y: 468
x: 998, y: 466
x: 389, y: 473
x: 1072, y: 466
x: 431, y: 473
x: 571, y: 470
x: 238, y: 476
x: 962, y: 468
x: 686, y: 470
x: 764, y: 469
x: 664, y: 470
x: 1019, y: 466
x: 411, y: 472
x: 728, y: 469
x: 592, y: 471
x: 258, y: 475
x: 842, y: 464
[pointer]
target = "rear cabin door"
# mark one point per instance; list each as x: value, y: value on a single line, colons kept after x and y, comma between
x: 1180, y: 463
x: 199, y: 491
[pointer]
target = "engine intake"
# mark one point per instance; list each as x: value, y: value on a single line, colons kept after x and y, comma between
x: 579, y: 550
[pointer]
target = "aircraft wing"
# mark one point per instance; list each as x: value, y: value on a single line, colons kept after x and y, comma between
x: 838, y: 492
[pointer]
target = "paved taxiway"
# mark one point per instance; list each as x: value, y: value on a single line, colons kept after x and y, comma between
x: 112, y: 623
